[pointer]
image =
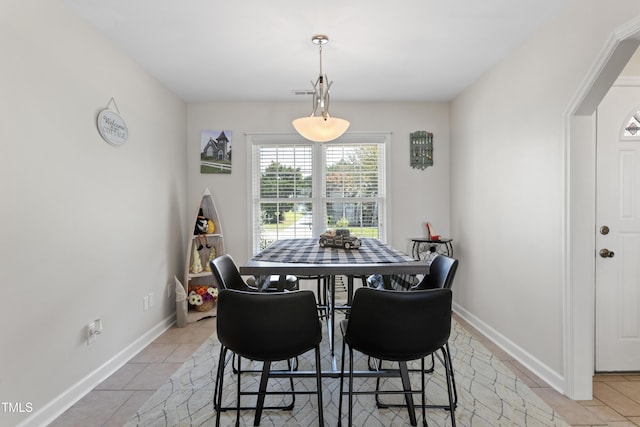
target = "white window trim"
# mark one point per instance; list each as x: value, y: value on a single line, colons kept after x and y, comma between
x: 263, y: 138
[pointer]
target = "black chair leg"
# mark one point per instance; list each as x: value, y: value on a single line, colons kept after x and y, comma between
x: 217, y: 394
x: 453, y: 380
x: 433, y: 364
x: 233, y: 366
x: 448, y: 372
x: 350, y: 387
x: 423, y: 393
x: 319, y: 388
x: 406, y: 388
x: 222, y: 363
x: 450, y: 387
x: 321, y: 296
x: 408, y: 396
x: 293, y: 394
x: 262, y: 389
x: 341, y: 386
x: 320, y: 290
x: 238, y: 391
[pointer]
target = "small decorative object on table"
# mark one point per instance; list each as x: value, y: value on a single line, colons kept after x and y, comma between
x: 202, y: 298
x: 339, y: 238
x: 430, y: 233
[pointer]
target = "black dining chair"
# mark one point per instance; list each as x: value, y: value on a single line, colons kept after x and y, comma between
x: 414, y: 325
x: 225, y: 271
x: 442, y: 271
x: 227, y: 276
x: 292, y: 329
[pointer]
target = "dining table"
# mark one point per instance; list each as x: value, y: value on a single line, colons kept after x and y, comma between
x: 305, y: 257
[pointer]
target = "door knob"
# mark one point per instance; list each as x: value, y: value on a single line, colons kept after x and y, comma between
x: 606, y: 253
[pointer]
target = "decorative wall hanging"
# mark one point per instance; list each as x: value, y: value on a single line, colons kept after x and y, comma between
x: 421, y: 149
x: 111, y: 125
x: 215, y: 151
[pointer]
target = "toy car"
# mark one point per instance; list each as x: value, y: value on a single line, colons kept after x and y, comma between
x: 340, y: 238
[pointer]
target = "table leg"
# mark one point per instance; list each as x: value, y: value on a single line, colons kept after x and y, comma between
x: 331, y: 318
x: 349, y: 290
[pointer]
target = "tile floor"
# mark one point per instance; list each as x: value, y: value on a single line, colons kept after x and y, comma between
x: 616, y: 398
x: 616, y: 401
x: 116, y: 399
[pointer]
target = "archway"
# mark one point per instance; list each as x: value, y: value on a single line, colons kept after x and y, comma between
x: 579, y: 125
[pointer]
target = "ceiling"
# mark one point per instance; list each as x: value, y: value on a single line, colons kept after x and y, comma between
x: 258, y: 50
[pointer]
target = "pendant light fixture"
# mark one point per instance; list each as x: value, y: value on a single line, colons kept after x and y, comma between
x: 322, y: 127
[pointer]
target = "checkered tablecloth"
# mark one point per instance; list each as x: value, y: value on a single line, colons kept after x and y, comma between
x: 308, y: 251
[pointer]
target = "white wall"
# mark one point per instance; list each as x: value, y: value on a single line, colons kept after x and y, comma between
x: 86, y: 229
x: 509, y: 184
x: 417, y: 196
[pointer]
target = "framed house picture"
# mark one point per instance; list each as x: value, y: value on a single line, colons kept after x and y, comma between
x: 215, y: 151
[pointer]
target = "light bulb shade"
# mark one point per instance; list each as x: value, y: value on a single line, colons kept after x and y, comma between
x: 320, y: 129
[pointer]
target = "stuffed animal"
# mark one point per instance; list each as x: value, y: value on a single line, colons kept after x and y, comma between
x: 200, y: 230
x: 196, y: 265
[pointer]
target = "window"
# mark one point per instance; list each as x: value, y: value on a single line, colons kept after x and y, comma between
x: 632, y: 125
x: 300, y: 188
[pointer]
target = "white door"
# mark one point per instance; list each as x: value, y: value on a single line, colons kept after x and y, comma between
x: 617, y: 335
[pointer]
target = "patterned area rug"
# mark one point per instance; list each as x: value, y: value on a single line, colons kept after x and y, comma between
x: 489, y: 394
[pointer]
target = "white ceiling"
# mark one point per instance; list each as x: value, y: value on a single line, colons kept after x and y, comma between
x: 259, y: 50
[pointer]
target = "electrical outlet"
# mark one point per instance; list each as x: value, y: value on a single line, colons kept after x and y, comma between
x: 145, y: 303
x: 151, y: 300
x: 91, y: 332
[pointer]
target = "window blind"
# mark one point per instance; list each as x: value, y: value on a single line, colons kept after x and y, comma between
x: 299, y: 189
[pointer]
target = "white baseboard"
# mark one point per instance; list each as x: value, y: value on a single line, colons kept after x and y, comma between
x: 68, y: 398
x: 545, y: 373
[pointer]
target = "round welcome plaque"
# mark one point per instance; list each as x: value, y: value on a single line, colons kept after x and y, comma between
x: 112, y: 127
